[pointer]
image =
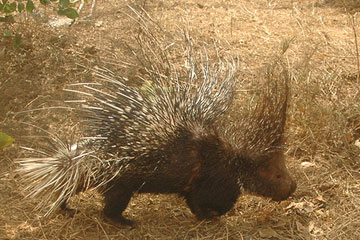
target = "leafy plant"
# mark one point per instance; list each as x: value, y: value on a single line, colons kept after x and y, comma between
x: 5, y: 140
x: 10, y: 8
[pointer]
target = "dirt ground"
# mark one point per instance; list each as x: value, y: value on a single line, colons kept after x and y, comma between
x: 323, y: 135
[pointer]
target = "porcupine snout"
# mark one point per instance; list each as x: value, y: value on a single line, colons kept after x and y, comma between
x: 275, y: 180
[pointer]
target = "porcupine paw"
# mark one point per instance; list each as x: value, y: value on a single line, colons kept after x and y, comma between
x: 206, y: 214
x: 123, y: 221
x: 116, y: 200
x: 114, y: 214
x: 119, y: 219
x: 203, y: 213
x: 66, y: 210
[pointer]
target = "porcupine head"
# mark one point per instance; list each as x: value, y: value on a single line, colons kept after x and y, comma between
x: 260, y: 160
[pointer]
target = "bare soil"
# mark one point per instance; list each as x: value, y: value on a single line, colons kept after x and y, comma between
x: 323, y: 134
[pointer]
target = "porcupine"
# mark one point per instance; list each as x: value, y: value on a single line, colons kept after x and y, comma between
x: 167, y: 139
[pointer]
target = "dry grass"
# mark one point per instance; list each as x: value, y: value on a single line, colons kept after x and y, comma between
x: 323, y: 125
x: 351, y: 5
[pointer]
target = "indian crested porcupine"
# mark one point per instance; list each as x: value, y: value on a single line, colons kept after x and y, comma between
x: 165, y: 137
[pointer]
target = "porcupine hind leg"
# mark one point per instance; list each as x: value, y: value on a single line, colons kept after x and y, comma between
x: 116, y: 201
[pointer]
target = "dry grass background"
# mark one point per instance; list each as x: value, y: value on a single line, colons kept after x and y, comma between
x: 323, y: 126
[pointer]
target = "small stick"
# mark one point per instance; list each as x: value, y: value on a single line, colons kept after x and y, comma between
x: 352, y: 18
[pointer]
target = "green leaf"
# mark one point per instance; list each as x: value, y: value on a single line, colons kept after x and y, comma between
x: 10, y: 7
x: 30, y: 6
x: 13, y: 6
x: 10, y: 19
x: 44, y: 2
x: 7, y: 33
x: 7, y: 19
x: 17, y: 40
x: 21, y: 7
x: 64, y: 4
x: 5, y: 140
x: 69, y: 12
x: 1, y: 7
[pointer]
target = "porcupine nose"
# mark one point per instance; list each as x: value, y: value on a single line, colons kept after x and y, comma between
x: 286, y: 188
x: 275, y: 179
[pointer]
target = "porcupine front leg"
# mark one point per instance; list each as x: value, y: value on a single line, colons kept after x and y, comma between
x: 202, y: 209
x: 116, y: 201
x: 209, y: 199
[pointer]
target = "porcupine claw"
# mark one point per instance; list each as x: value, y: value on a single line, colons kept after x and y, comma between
x: 122, y: 220
x: 65, y: 209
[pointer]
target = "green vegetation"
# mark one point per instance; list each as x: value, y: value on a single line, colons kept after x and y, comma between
x: 9, y: 9
x: 5, y: 140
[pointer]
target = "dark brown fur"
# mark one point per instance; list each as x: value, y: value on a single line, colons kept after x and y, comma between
x: 204, y: 170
